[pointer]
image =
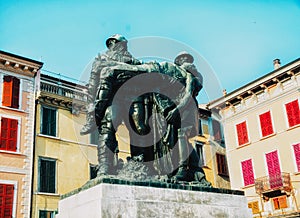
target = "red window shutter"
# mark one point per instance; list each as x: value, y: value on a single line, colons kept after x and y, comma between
x: 7, y: 91
x: 6, y: 200
x: 15, y: 93
x: 242, y: 133
x: 266, y: 124
x: 248, y: 173
x: 9, y: 134
x: 274, y: 169
x: 293, y: 113
x: 297, y: 155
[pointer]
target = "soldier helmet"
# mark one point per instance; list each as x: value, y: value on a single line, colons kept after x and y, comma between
x: 186, y: 54
x: 117, y: 37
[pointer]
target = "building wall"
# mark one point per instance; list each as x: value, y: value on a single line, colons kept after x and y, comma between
x: 16, y: 166
x: 269, y: 98
x: 72, y: 152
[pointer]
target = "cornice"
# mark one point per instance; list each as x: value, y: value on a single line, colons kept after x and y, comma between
x: 20, y: 65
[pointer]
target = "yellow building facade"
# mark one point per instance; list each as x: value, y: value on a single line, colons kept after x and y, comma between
x: 261, y: 123
x: 63, y: 160
x: 210, y: 147
x: 17, y: 108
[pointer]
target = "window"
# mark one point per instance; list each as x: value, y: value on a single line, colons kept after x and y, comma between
x: 47, y: 175
x: 293, y: 113
x: 254, y: 206
x: 48, y: 126
x: 205, y: 129
x: 266, y: 124
x: 46, y: 214
x: 297, y: 155
x: 217, y: 130
x: 242, y: 133
x: 9, y: 134
x: 248, y: 174
x: 6, y: 200
x: 274, y: 169
x: 280, y: 202
x: 11, y: 90
x: 199, y: 150
x: 93, y: 171
x: 200, y: 127
x: 222, y: 165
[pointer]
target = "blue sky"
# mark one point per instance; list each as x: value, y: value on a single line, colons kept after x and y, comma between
x: 237, y: 40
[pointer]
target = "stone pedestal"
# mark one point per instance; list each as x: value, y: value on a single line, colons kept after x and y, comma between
x: 130, y: 201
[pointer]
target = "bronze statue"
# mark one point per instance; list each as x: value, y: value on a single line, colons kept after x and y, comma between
x: 172, y: 154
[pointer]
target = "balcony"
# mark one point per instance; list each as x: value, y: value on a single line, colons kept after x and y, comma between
x: 267, y: 184
x: 52, y: 86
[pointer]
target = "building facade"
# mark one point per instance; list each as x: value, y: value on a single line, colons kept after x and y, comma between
x: 63, y: 159
x: 261, y: 123
x: 17, y: 108
x: 210, y: 147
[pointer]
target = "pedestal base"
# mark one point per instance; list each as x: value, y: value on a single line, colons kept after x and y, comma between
x: 129, y: 201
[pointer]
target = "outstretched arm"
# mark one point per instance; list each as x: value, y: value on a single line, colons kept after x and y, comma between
x: 188, y: 96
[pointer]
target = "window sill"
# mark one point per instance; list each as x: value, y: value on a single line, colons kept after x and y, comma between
x: 293, y: 127
x: 296, y: 173
x: 13, y: 109
x: 248, y: 186
x: 48, y: 136
x: 49, y: 194
x: 268, y: 136
x: 243, y: 145
x: 12, y: 152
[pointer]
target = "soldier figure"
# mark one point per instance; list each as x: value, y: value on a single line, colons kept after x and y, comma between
x: 182, y: 118
x: 117, y: 52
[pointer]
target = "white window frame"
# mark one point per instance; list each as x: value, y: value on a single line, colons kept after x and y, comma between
x: 242, y: 175
x: 266, y: 163
x: 272, y: 120
x: 294, y: 157
x: 19, y: 131
x: 236, y: 134
x: 20, y: 90
x: 285, y: 112
x: 15, y: 203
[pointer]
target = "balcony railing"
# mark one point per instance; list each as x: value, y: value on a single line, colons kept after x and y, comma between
x: 75, y: 93
x: 280, y: 181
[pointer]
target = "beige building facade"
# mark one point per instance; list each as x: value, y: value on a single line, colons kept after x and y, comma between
x: 261, y: 123
x: 17, y: 109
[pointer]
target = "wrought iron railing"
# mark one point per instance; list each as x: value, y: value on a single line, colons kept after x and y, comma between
x: 75, y: 93
x: 269, y: 183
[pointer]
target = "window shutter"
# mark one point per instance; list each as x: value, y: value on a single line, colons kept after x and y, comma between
x: 266, y: 124
x: 282, y: 202
x: 51, y: 176
x: 274, y: 170
x: 242, y: 133
x: 7, y: 91
x: 6, y: 200
x: 9, y: 134
x: 15, y: 93
x: 293, y: 113
x: 297, y: 155
x: 47, y: 176
x: 248, y: 173
x: 49, y: 121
